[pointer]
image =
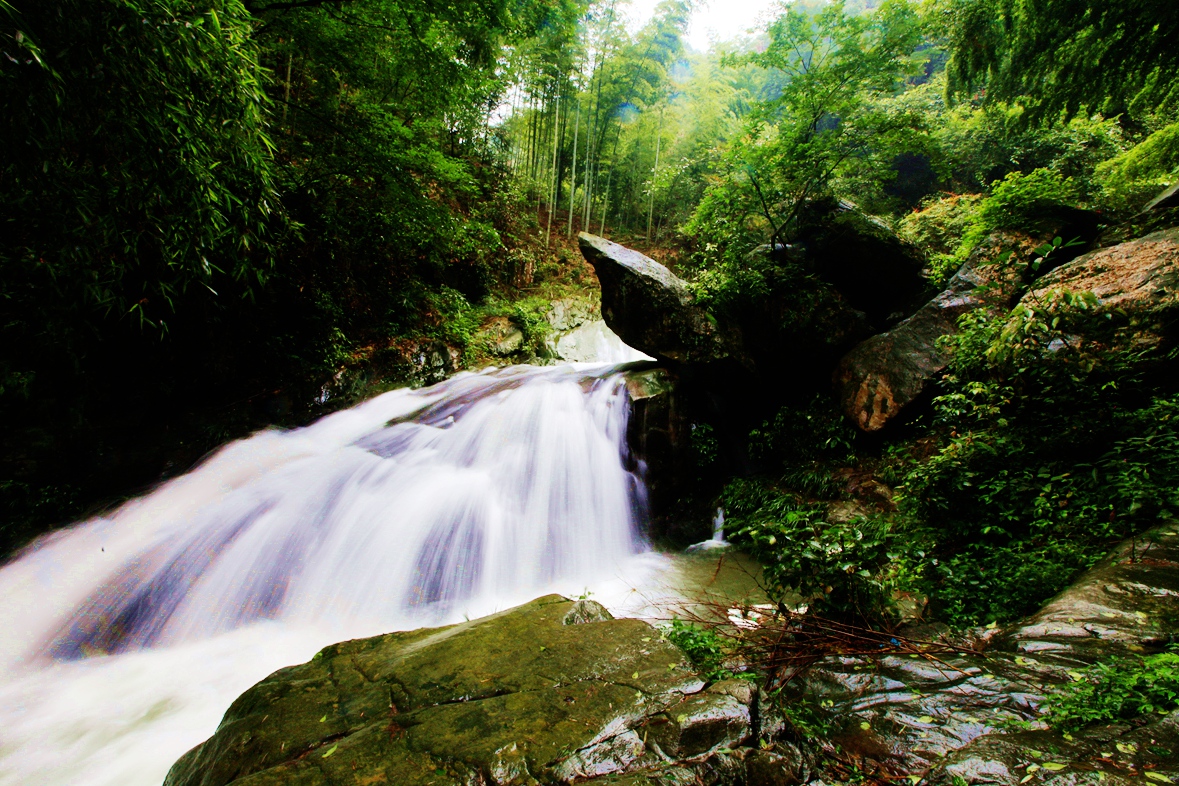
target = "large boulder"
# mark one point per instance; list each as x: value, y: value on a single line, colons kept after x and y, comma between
x: 554, y: 691
x: 1141, y: 276
x: 880, y: 376
x: 652, y: 310
x: 872, y: 267
x: 883, y: 374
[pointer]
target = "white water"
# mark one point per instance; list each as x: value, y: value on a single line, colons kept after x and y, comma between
x: 126, y: 637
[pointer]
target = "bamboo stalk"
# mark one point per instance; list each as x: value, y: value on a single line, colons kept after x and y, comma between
x: 654, y: 175
x: 573, y: 173
x: 553, y: 189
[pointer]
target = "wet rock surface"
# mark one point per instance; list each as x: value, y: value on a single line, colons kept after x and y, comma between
x: 554, y: 691
x: 557, y: 691
x: 973, y: 716
x: 659, y: 438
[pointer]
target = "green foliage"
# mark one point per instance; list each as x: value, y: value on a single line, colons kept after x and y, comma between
x: 1055, y: 447
x: 145, y: 174
x: 987, y: 582
x: 454, y: 319
x: 809, y: 720
x: 1019, y: 201
x: 838, y: 569
x: 1130, y: 179
x: 815, y: 431
x: 705, y: 648
x: 984, y: 143
x: 704, y: 446
x: 1087, y: 56
x: 938, y: 227
x: 805, y: 442
x: 1120, y: 689
x: 530, y: 315
x: 823, y: 124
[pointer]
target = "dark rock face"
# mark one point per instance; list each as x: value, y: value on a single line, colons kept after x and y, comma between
x: 876, y: 271
x: 659, y: 436
x: 846, y: 275
x: 554, y: 691
x: 652, y: 310
x: 799, y: 325
x: 878, y: 378
x: 1167, y: 199
x: 952, y: 718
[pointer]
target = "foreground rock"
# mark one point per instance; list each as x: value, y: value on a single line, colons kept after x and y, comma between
x: 956, y: 719
x: 883, y: 374
x: 554, y: 691
x: 652, y: 310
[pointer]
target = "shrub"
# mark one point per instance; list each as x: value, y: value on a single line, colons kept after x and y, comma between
x: 837, y: 569
x: 705, y: 648
x: 1020, y: 201
x: 1117, y: 690
x: 1130, y: 179
x: 938, y: 227
x: 1057, y: 441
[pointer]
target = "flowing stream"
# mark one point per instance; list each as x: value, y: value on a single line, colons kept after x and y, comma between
x: 127, y: 636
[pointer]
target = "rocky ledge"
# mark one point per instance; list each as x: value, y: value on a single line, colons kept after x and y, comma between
x: 555, y: 691
x: 652, y: 309
x: 973, y: 717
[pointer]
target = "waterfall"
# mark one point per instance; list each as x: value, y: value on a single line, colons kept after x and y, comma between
x: 128, y: 635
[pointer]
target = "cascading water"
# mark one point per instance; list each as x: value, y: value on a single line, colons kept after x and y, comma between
x: 127, y: 636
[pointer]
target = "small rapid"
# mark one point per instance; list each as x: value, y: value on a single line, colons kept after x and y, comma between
x: 127, y: 636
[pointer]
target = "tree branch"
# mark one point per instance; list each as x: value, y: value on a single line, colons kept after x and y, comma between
x: 765, y: 209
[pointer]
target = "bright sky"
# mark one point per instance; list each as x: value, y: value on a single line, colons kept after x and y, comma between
x: 718, y: 20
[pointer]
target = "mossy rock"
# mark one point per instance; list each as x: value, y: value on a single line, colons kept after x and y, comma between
x: 550, y: 692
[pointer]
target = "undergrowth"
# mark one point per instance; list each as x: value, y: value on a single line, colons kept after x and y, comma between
x: 1120, y: 689
x: 1054, y: 435
x: 706, y: 650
